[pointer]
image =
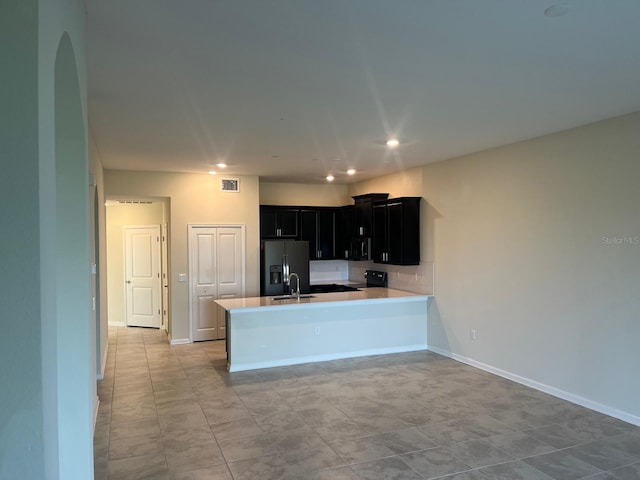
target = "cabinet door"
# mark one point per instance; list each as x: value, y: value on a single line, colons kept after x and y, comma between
x: 288, y: 222
x: 268, y: 223
x: 395, y: 233
x: 309, y: 231
x: 318, y: 228
x: 278, y: 222
x: 379, y: 233
x: 344, y: 231
x: 411, y: 231
x: 326, y: 245
x: 363, y: 217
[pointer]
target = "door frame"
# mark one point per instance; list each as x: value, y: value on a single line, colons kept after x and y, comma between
x: 164, y: 273
x: 243, y: 240
x: 158, y: 281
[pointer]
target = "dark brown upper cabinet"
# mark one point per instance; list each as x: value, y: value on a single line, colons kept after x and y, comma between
x: 279, y: 222
x: 363, y: 213
x: 318, y: 227
x: 396, y: 231
x: 344, y: 231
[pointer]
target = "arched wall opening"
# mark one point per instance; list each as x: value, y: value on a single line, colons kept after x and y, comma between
x: 75, y: 332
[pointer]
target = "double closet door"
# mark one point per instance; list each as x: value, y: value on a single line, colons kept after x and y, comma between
x: 216, y: 271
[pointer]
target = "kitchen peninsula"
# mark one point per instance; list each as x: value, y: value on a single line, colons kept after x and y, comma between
x: 263, y: 332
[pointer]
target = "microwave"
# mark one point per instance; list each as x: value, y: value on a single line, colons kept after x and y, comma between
x: 361, y: 248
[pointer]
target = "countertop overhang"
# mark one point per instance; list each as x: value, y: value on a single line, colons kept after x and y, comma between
x: 366, y: 295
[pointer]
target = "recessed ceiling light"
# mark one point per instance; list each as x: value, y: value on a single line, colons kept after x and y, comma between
x: 557, y: 10
x: 351, y: 171
x: 393, y: 142
x: 330, y: 178
x: 212, y: 172
x: 221, y: 165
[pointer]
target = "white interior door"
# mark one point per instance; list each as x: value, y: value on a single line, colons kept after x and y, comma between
x: 216, y: 258
x: 203, y: 282
x: 230, y: 268
x: 142, y: 276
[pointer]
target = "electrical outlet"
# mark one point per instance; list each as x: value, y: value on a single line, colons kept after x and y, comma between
x: 472, y: 334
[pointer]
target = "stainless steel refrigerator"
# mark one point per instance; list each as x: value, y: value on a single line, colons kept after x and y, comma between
x: 279, y: 259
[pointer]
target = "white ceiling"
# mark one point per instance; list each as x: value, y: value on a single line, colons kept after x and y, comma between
x: 294, y: 89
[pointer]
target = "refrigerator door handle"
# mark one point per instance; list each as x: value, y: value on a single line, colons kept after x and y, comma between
x: 285, y: 269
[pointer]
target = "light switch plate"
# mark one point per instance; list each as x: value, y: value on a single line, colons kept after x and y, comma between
x: 182, y: 277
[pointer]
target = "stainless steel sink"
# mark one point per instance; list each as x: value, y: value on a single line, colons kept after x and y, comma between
x: 292, y: 297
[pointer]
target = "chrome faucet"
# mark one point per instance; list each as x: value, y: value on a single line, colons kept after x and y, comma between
x: 297, y: 292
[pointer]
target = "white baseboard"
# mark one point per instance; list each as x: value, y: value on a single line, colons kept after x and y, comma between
x: 325, y: 358
x: 103, y: 361
x: 117, y: 324
x: 178, y: 341
x: 556, y: 392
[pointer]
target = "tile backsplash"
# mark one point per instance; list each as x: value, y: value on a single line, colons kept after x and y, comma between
x: 418, y: 278
x: 328, y: 271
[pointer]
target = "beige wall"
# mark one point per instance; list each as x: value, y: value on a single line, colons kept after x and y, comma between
x: 331, y: 195
x: 519, y: 239
x: 195, y: 198
x: 407, y: 183
x: 118, y: 217
x: 102, y: 335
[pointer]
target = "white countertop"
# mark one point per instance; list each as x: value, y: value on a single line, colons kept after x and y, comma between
x: 368, y: 295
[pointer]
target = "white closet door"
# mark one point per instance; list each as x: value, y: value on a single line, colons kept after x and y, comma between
x: 230, y: 268
x: 216, y: 271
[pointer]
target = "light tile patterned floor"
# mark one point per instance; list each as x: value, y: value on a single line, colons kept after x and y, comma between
x: 175, y: 413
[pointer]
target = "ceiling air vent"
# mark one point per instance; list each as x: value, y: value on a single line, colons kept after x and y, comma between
x: 230, y: 184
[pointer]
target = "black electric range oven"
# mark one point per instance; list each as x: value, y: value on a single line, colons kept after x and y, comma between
x: 376, y: 278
